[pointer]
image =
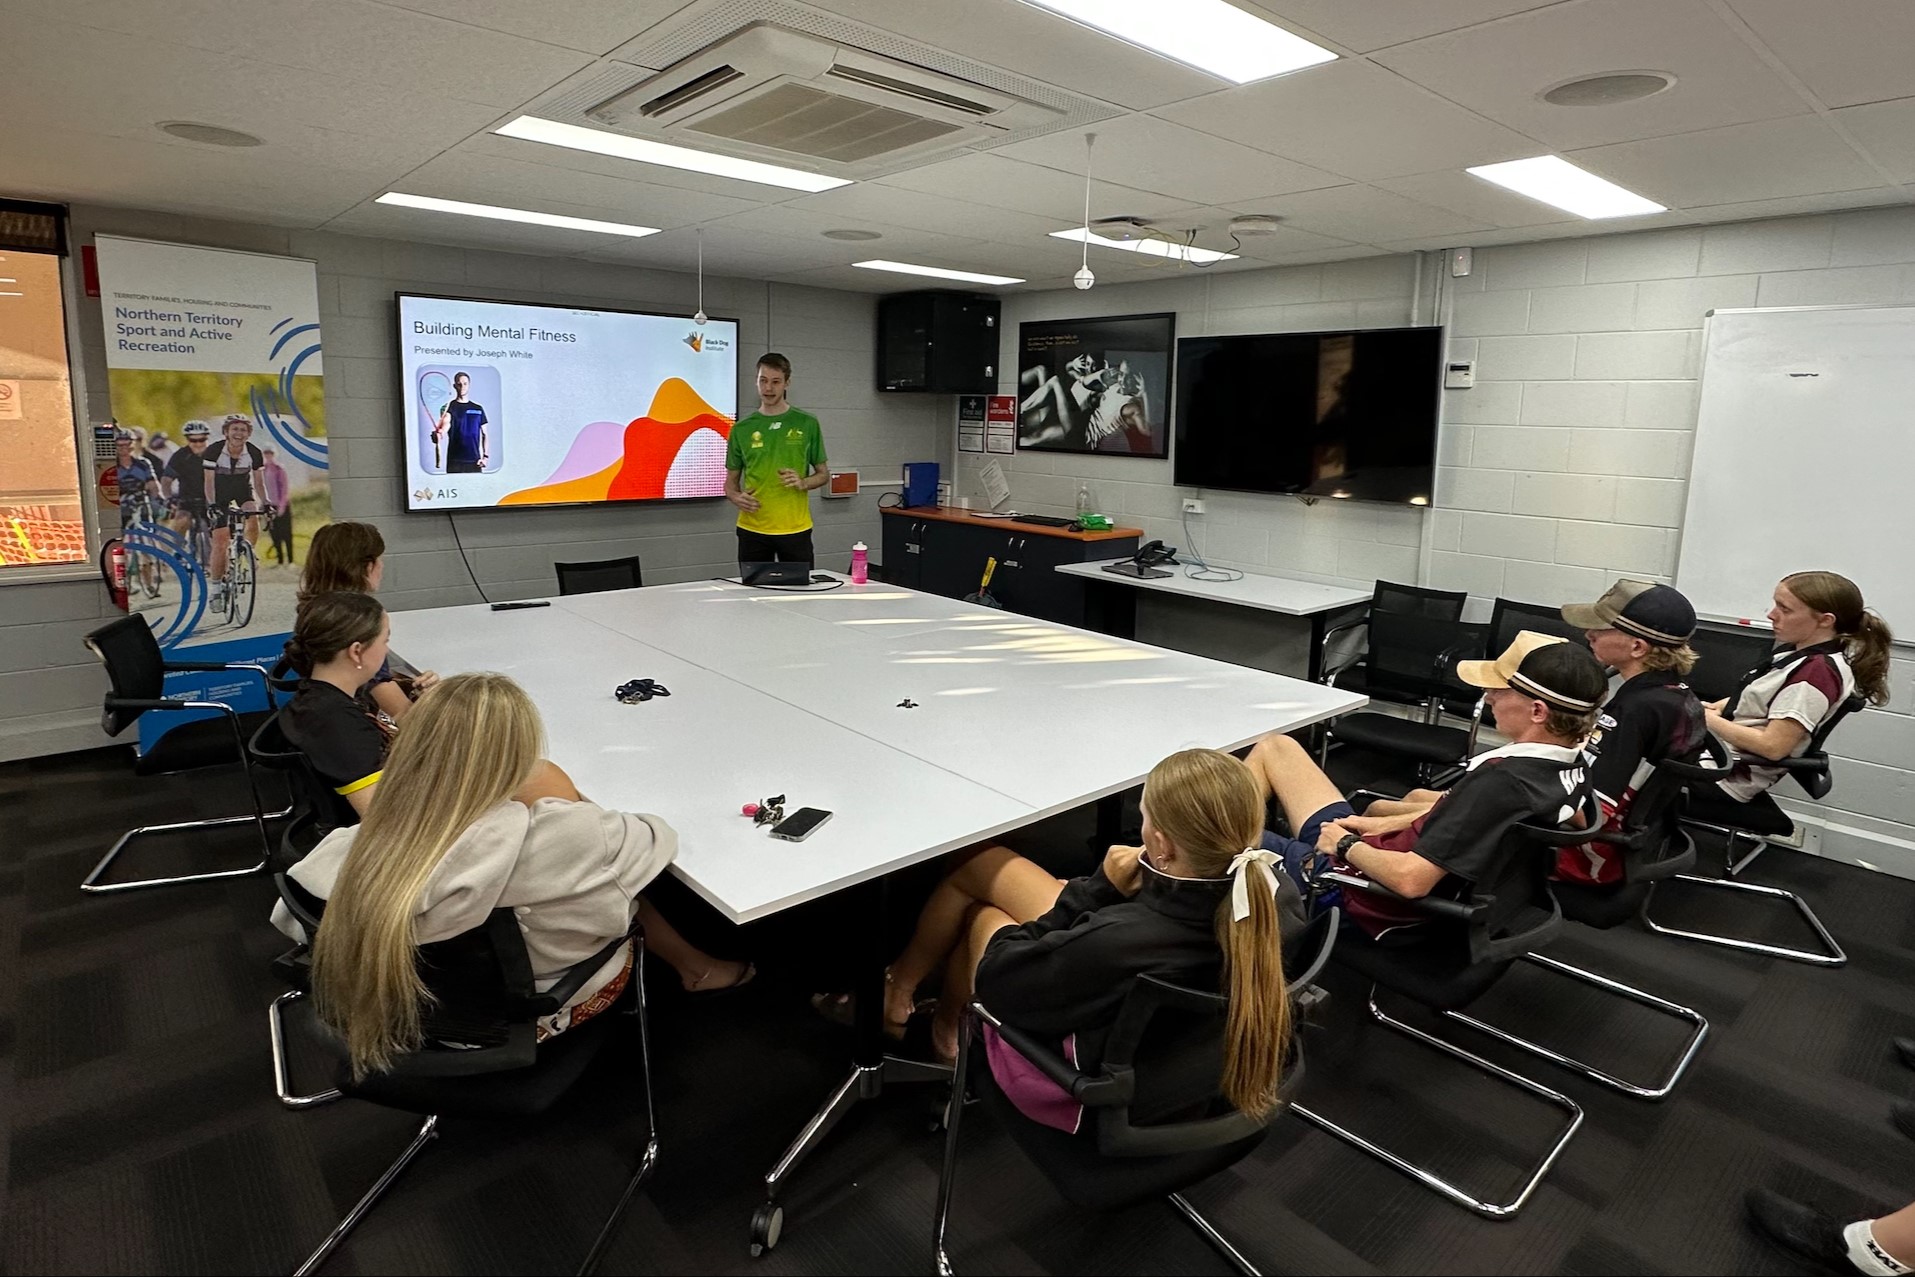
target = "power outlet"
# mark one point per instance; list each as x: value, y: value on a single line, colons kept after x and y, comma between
x: 1193, y: 506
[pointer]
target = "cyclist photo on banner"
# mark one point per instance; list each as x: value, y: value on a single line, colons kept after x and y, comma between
x: 138, y: 485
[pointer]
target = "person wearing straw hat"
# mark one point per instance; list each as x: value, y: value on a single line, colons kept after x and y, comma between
x: 1544, y: 693
x: 1641, y: 631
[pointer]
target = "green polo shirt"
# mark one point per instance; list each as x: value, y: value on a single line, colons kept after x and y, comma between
x: 758, y: 449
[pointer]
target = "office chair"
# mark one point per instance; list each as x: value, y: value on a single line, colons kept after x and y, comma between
x: 1472, y: 943
x: 1156, y: 1120
x: 1412, y: 660
x: 1653, y: 848
x: 1759, y: 820
x: 604, y: 574
x: 1723, y: 655
x: 137, y: 670
x: 482, y: 994
x: 316, y: 808
x: 1510, y: 618
x: 1394, y: 599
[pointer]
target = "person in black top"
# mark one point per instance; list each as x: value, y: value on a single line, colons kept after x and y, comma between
x: 462, y: 424
x: 1197, y: 903
x: 338, y: 644
x: 1642, y: 632
x: 1543, y: 693
x: 185, y: 481
x: 234, y: 475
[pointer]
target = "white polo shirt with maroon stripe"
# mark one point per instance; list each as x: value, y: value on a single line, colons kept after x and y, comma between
x: 1804, y: 688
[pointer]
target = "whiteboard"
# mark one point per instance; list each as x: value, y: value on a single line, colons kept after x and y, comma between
x: 1804, y: 458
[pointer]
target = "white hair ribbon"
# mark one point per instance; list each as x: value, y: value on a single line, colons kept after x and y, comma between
x: 1240, y: 868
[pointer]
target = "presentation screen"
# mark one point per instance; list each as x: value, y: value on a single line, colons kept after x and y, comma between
x: 512, y: 404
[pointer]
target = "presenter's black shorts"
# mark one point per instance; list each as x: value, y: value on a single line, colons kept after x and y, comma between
x: 465, y: 467
x: 794, y: 547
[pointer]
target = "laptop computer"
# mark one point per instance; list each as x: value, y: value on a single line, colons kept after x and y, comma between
x: 785, y: 574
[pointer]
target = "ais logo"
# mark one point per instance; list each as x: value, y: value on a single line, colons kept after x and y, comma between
x: 423, y: 495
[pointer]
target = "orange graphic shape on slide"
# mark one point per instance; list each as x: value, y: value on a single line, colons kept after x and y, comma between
x: 652, y: 443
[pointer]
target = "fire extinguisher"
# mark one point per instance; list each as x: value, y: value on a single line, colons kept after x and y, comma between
x: 113, y: 571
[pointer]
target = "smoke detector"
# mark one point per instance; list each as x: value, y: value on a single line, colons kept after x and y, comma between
x: 1122, y: 227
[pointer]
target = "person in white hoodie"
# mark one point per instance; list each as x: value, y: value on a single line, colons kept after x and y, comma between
x: 469, y: 818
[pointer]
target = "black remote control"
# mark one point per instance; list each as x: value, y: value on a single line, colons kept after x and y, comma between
x: 513, y: 607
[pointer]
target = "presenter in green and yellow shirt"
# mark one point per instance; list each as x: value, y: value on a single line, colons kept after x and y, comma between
x: 775, y: 457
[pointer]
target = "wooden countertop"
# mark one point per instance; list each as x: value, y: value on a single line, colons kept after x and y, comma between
x: 946, y: 514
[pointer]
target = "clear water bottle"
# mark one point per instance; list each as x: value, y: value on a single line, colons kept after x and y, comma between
x: 1083, y: 499
x: 860, y: 564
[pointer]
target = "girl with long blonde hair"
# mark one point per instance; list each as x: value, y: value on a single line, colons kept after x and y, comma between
x: 468, y: 818
x: 1197, y: 904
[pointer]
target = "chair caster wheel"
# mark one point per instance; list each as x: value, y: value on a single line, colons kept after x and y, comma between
x: 767, y: 1224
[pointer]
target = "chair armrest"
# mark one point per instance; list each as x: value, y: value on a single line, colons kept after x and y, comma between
x: 207, y: 667
x: 1302, y: 980
x: 163, y: 703
x: 579, y: 972
x: 1087, y: 1088
x: 1435, y: 906
x: 1329, y: 674
x: 1693, y: 772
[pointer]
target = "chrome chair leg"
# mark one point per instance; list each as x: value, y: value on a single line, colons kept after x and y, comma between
x: 282, y: 1071
x: 1655, y: 1091
x: 1462, y: 1197
x: 1217, y: 1240
x: 428, y: 1131
x: 648, y: 1159
x: 953, y: 1116
x: 1834, y: 957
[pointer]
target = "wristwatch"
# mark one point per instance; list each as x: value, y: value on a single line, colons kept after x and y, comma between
x: 1345, y: 843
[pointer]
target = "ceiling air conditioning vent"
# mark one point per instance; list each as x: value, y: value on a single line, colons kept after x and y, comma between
x: 772, y: 93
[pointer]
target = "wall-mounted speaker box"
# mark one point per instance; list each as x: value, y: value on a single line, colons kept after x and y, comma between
x: 940, y: 343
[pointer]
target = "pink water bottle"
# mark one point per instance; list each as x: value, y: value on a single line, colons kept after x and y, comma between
x: 860, y: 564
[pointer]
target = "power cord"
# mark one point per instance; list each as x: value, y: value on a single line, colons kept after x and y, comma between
x: 1204, y: 571
x: 463, y: 559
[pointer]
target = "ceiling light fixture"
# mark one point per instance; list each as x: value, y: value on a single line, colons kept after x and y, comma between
x: 1555, y: 181
x: 851, y: 236
x: 530, y: 128
x: 1207, y: 34
x: 206, y: 134
x: 1083, y: 278
x: 1154, y: 247
x: 698, y: 316
x: 1608, y: 90
x: 435, y: 205
x: 937, y: 272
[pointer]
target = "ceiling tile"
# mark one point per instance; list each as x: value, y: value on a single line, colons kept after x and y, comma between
x: 1366, y: 27
x: 1886, y: 131
x: 1847, y: 53
x: 593, y: 26
x: 1482, y: 201
x: 931, y: 214
x: 1367, y: 215
x: 1031, y: 42
x: 1156, y: 155
x: 1832, y: 202
x: 1770, y: 160
x: 1212, y: 225
x: 352, y: 39
x: 491, y: 180
x: 997, y: 181
x: 1353, y: 119
x: 1501, y: 69
x: 423, y: 226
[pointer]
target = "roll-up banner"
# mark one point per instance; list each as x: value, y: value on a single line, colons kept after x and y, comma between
x: 219, y: 475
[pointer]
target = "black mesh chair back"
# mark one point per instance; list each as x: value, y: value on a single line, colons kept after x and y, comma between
x: 1511, y: 618
x: 604, y: 574
x: 1513, y: 909
x: 1415, y: 600
x: 316, y: 811
x: 134, y: 665
x: 1724, y: 655
x: 1414, y: 656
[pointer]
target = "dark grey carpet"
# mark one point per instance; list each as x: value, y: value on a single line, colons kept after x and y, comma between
x: 139, y: 1133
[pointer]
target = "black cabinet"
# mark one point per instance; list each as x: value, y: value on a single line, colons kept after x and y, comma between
x: 942, y: 555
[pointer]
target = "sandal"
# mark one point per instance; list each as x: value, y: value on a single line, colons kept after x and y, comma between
x: 745, y: 977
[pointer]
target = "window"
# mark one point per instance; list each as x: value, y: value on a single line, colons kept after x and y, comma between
x: 42, y: 516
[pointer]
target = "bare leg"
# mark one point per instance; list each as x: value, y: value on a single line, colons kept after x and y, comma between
x: 697, y: 970
x: 1896, y: 1234
x: 996, y: 876
x: 960, y: 977
x: 1285, y: 770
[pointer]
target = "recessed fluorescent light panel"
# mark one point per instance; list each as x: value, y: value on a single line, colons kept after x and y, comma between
x: 1154, y: 247
x: 1207, y: 34
x: 937, y: 272
x: 515, y: 215
x: 530, y: 128
x: 1554, y: 180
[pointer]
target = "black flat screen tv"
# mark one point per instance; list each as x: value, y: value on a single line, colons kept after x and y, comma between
x: 1332, y: 414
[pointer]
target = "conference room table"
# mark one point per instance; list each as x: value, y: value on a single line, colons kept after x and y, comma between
x: 924, y: 725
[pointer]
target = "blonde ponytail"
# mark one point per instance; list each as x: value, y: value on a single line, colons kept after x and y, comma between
x: 1207, y: 804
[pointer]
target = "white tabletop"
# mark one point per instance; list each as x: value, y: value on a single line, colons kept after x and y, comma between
x: 1267, y: 593
x: 798, y: 693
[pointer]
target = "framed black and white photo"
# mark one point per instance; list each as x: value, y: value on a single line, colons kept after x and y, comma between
x: 1096, y: 385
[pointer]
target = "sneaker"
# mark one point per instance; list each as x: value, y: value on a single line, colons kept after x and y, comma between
x: 1810, y: 1236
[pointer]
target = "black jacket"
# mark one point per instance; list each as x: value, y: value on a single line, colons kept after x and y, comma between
x: 1070, y: 970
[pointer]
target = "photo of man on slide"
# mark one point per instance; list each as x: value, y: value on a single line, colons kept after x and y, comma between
x: 461, y: 429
